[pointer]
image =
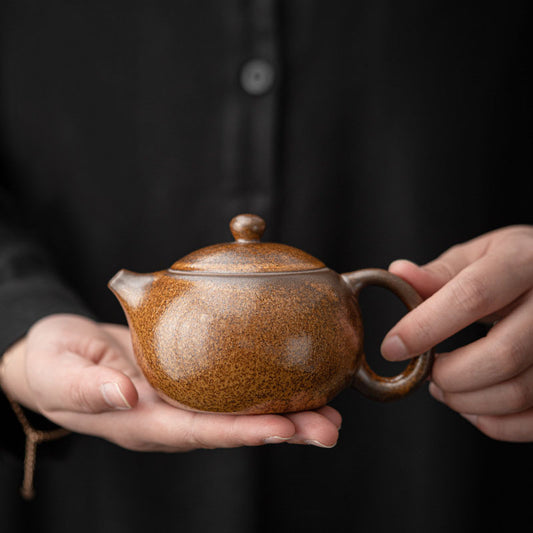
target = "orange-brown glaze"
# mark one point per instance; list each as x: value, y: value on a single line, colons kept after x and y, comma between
x: 248, y: 344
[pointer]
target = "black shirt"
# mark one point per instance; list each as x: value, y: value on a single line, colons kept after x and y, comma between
x: 361, y: 131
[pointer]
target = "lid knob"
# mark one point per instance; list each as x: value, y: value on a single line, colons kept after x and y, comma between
x: 247, y: 228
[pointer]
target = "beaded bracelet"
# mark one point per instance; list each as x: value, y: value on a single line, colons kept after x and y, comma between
x: 33, y: 438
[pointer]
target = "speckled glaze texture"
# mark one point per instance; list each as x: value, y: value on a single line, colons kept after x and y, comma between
x: 249, y: 327
x: 258, y: 343
x: 247, y: 257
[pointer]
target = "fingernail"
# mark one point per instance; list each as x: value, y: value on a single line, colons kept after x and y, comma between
x: 393, y: 348
x: 275, y: 440
x: 399, y: 261
x: 313, y: 442
x: 113, y: 396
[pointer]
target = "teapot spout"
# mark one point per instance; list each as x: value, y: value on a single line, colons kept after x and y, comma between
x: 130, y: 288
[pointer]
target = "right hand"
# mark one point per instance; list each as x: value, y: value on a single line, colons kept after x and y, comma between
x: 82, y: 375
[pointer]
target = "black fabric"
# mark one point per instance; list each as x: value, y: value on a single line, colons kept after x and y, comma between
x: 393, y: 129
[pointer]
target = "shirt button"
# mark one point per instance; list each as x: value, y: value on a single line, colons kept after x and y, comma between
x: 257, y: 76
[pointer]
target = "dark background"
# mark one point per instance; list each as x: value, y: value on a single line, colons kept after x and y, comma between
x: 393, y: 129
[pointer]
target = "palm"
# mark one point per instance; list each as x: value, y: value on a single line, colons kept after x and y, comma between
x: 88, y: 349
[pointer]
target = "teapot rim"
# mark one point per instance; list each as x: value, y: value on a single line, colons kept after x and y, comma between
x: 246, y: 274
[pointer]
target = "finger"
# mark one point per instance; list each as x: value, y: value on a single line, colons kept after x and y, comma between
x: 504, y: 353
x: 512, y: 396
x: 331, y: 414
x: 156, y: 426
x: 314, y: 428
x: 70, y: 382
x: 205, y: 430
x: 229, y: 431
x: 510, y: 428
x: 476, y: 291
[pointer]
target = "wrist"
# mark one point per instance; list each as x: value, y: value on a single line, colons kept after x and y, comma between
x: 15, y: 385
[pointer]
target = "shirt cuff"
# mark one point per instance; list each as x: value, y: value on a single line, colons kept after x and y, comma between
x: 24, y: 302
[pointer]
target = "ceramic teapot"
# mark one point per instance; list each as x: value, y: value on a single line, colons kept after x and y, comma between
x: 251, y: 327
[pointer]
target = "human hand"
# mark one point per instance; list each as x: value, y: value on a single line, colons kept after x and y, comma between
x: 490, y: 381
x: 82, y: 375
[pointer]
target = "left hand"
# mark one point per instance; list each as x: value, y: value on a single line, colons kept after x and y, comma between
x: 490, y: 381
x: 82, y: 375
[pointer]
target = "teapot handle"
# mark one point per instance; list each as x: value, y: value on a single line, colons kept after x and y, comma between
x: 366, y: 381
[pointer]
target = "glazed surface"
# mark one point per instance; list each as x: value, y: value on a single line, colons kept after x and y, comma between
x: 247, y: 257
x: 257, y: 343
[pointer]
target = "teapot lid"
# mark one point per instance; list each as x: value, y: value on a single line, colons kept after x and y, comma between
x: 247, y: 253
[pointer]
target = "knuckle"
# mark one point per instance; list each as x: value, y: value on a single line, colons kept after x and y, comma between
x: 511, y: 356
x: 95, y: 349
x: 441, y: 379
x: 471, y: 294
x: 231, y: 434
x: 156, y: 439
x: 517, y: 241
x: 417, y: 327
x: 79, y: 397
x: 438, y: 374
x: 441, y: 267
x: 446, y: 375
x: 454, y: 250
x: 516, y: 247
x: 519, y: 233
x: 519, y: 395
x: 191, y: 435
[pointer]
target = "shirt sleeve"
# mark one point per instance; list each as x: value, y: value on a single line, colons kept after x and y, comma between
x: 30, y: 289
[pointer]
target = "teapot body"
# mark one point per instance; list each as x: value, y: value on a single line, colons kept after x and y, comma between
x: 247, y: 343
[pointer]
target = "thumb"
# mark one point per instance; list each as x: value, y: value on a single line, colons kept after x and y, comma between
x: 73, y: 383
